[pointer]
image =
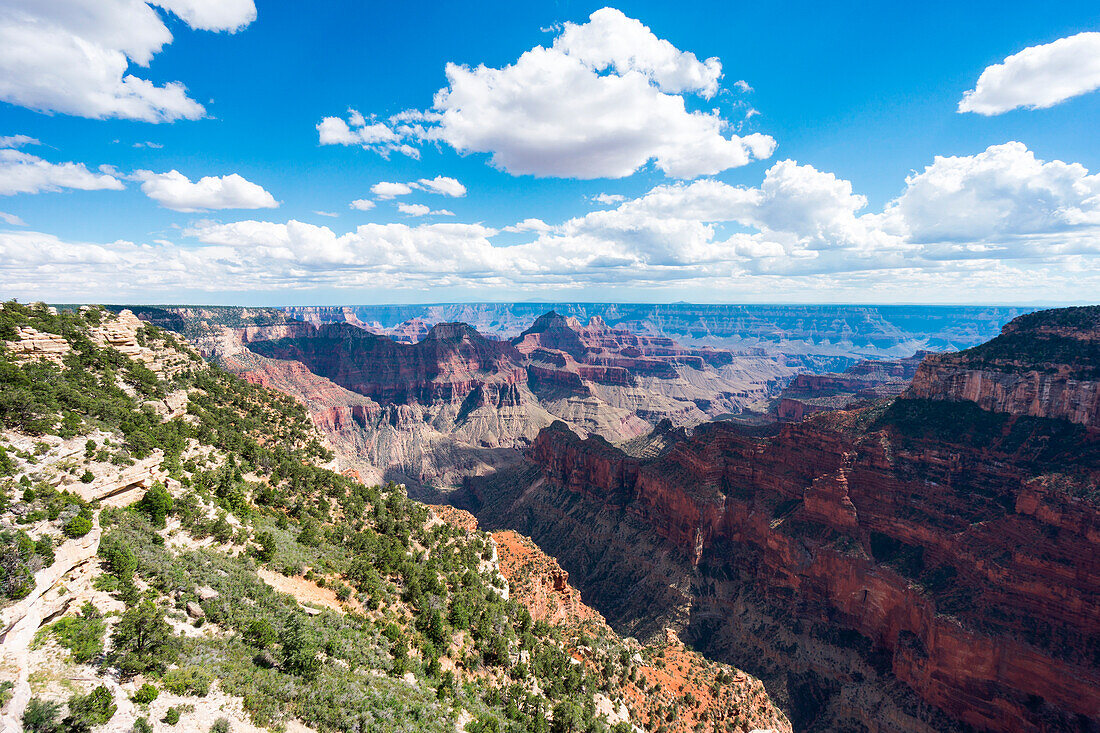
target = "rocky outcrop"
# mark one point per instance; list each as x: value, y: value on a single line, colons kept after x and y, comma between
x: 32, y: 344
x: 808, y: 393
x: 1036, y: 367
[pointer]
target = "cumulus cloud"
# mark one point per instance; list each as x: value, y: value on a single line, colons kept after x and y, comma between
x: 75, y: 56
x: 390, y: 189
x: 422, y: 210
x: 1003, y: 195
x: 605, y: 99
x: 175, y: 191
x: 362, y: 204
x: 608, y: 198
x: 24, y: 173
x: 998, y: 222
x: 611, y: 40
x: 442, y: 185
x: 212, y: 15
x: 18, y: 141
x: 528, y: 225
x: 334, y: 131
x: 1038, y: 77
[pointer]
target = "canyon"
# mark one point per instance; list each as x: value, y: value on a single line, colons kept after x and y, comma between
x: 928, y: 562
x: 456, y: 403
x: 823, y: 337
x: 869, y: 379
x: 910, y: 544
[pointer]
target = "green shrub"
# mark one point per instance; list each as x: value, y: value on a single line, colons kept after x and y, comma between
x: 82, y: 635
x: 221, y: 725
x: 259, y: 634
x: 41, y: 716
x: 44, y: 549
x: 87, y: 477
x: 79, y: 525
x: 142, y: 640
x: 266, y: 550
x: 300, y: 650
x: 156, y: 504
x: 16, y: 580
x: 88, y: 711
x: 171, y: 716
x: 145, y: 694
x: 190, y: 680
x: 142, y: 725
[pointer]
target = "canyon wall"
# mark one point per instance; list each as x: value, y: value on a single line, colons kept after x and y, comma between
x: 812, y: 337
x: 972, y: 581
x: 922, y: 563
x: 1036, y: 367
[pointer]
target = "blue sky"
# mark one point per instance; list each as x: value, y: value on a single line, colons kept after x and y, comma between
x: 857, y: 96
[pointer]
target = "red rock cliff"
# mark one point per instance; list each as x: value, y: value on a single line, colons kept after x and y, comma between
x: 1038, y: 366
x: 969, y: 562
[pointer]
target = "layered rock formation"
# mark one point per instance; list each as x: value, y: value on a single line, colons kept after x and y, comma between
x: 808, y: 393
x: 703, y: 696
x: 918, y: 564
x: 1039, y: 366
x: 455, y: 403
x: 813, y: 337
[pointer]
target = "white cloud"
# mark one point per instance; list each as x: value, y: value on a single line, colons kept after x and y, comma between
x: 332, y: 214
x: 608, y: 198
x: 74, y: 56
x: 610, y: 40
x: 387, y: 189
x: 529, y: 225
x: 334, y: 131
x: 175, y: 191
x: 603, y: 101
x: 18, y: 141
x: 12, y: 219
x: 742, y: 86
x: 1038, y: 77
x: 362, y: 204
x: 422, y: 210
x: 151, y: 145
x: 212, y: 15
x: 442, y: 185
x: 390, y: 189
x: 24, y: 173
x: 1004, y: 195
x: 999, y: 224
x: 414, y: 209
